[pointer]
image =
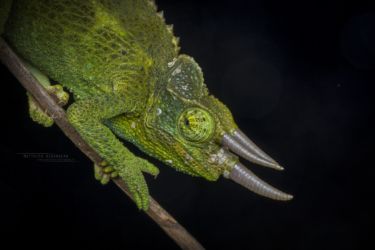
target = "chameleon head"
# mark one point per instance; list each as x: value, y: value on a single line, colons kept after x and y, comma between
x: 195, y: 133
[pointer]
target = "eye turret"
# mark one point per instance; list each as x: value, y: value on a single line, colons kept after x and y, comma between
x: 196, y: 125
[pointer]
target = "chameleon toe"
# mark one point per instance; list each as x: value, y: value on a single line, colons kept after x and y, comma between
x: 98, y: 173
x: 149, y: 168
x: 105, y: 179
x: 58, y: 92
x: 104, y: 173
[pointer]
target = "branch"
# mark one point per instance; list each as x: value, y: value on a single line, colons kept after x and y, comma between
x: 175, y: 231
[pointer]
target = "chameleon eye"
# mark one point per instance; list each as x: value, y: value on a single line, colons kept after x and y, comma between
x: 196, y: 125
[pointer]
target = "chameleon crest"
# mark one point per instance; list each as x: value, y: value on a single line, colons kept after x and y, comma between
x: 121, y: 63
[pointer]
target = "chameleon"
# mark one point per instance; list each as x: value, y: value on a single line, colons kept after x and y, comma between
x: 119, y: 64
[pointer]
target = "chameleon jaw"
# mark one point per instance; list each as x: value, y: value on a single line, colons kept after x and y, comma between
x: 240, y: 144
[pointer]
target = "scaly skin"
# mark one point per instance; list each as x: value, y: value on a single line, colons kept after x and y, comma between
x: 120, y: 61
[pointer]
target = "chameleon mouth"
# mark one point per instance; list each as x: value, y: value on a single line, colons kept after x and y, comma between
x: 240, y: 144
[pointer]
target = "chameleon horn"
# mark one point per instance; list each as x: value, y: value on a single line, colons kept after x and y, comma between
x: 239, y: 136
x: 248, y: 179
x: 236, y: 147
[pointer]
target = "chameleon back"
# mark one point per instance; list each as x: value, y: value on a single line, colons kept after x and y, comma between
x: 93, y: 46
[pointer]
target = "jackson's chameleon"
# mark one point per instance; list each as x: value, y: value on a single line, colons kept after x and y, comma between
x: 121, y: 63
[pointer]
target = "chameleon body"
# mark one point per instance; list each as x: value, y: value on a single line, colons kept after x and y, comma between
x: 121, y: 62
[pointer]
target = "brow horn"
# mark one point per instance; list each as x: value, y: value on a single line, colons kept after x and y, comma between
x: 248, y: 179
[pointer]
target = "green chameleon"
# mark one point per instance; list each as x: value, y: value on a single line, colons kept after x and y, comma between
x: 121, y: 63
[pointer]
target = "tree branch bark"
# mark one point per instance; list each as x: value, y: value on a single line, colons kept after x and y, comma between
x: 156, y: 212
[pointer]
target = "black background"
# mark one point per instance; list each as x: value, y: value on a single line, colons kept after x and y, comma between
x: 298, y: 77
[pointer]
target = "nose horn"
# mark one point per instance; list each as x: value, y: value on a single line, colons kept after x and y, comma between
x: 249, y: 180
x: 244, y: 147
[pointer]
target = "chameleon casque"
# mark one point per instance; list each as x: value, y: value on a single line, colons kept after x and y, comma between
x: 121, y: 63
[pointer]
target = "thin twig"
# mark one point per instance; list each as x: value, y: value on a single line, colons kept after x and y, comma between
x: 177, y: 232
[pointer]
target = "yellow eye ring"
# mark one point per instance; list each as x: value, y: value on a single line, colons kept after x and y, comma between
x: 196, y: 125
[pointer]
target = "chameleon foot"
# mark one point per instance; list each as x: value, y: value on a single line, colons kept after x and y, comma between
x: 37, y: 114
x: 104, y: 173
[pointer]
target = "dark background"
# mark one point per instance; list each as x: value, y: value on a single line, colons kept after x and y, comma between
x: 298, y: 77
